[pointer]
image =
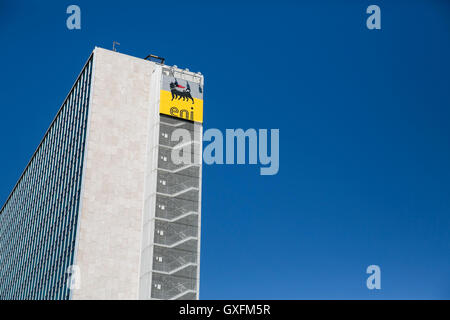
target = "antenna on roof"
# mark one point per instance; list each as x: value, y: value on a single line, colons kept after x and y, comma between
x: 114, y: 45
x: 152, y: 57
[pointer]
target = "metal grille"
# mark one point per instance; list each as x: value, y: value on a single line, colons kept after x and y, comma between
x: 177, y: 225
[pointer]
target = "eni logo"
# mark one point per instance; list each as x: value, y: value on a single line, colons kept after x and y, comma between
x: 178, y: 91
x: 182, y: 113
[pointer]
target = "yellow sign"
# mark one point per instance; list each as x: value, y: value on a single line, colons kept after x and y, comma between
x: 188, y: 108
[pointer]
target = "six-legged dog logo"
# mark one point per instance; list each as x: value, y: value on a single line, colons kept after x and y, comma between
x: 178, y: 91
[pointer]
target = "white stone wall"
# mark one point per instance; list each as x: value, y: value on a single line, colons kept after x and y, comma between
x: 112, y: 198
x: 150, y: 189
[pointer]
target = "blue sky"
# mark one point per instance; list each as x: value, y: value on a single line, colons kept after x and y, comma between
x: 364, y: 132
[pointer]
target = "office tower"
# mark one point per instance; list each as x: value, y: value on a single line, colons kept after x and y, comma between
x: 103, y: 210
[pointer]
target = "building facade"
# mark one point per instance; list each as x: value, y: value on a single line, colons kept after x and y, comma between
x: 103, y: 210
